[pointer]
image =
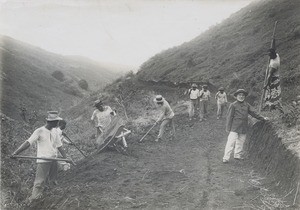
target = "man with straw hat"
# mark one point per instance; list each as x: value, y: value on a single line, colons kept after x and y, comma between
x: 48, y: 143
x: 166, y: 116
x: 237, y: 125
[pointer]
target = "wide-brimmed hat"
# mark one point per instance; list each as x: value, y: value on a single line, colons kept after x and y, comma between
x: 98, y: 102
x: 203, y: 86
x: 221, y: 88
x: 194, y: 85
x: 53, y: 116
x: 158, y: 99
x: 240, y: 91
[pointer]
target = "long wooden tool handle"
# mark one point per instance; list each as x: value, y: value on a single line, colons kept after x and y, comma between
x: 267, y: 70
x: 44, y: 158
x: 147, y: 132
x: 74, y: 145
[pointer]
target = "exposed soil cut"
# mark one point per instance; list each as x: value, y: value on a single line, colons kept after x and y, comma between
x: 184, y: 173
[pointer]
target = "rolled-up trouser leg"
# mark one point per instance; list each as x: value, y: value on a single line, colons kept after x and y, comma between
x: 231, y: 141
x: 238, y: 151
x: 162, y: 128
x: 42, y: 173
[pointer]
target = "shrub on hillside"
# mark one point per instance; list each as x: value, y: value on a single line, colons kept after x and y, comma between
x: 83, y: 84
x: 58, y: 75
x: 72, y: 90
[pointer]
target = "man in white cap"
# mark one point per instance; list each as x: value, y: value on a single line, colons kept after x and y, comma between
x: 237, y: 125
x: 166, y: 116
x: 194, y: 94
x: 48, y: 143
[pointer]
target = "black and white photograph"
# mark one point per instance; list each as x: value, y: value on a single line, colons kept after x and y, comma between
x: 150, y: 104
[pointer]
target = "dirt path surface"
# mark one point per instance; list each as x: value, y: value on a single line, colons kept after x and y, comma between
x: 184, y: 173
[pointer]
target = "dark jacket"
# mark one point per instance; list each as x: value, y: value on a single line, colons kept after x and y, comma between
x: 237, y: 117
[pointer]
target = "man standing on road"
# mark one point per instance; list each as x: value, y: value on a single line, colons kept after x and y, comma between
x: 204, y: 100
x: 237, y: 125
x: 166, y: 116
x: 48, y: 145
x: 194, y: 94
x: 221, y: 98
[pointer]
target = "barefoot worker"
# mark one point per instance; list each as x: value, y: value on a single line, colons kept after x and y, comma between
x: 221, y: 98
x: 103, y: 116
x: 237, y: 125
x: 166, y: 116
x: 194, y: 94
x: 48, y: 143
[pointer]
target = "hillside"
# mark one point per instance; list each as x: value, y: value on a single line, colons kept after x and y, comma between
x: 234, y: 53
x: 27, y: 81
x: 181, y: 172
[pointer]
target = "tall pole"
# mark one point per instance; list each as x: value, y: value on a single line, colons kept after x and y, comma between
x: 267, y: 69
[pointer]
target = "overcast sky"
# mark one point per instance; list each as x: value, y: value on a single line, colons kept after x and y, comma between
x: 111, y: 31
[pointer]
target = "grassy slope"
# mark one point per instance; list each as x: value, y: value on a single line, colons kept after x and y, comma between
x: 26, y: 78
x: 233, y: 53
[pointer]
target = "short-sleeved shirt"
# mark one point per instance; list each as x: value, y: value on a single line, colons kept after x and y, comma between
x: 103, y: 118
x: 204, y: 95
x: 47, y: 142
x: 194, y: 94
x: 221, y: 97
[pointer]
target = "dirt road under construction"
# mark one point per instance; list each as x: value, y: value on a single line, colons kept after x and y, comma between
x: 182, y: 173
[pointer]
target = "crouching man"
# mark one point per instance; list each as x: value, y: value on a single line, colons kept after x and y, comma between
x: 48, y: 145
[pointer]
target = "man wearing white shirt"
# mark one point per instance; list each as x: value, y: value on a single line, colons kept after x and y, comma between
x: 194, y: 94
x: 48, y: 145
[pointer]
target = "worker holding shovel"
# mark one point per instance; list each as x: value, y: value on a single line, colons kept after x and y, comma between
x: 166, y: 116
x: 48, y: 145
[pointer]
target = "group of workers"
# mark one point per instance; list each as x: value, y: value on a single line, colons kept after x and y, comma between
x: 201, y: 98
x: 49, y: 138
